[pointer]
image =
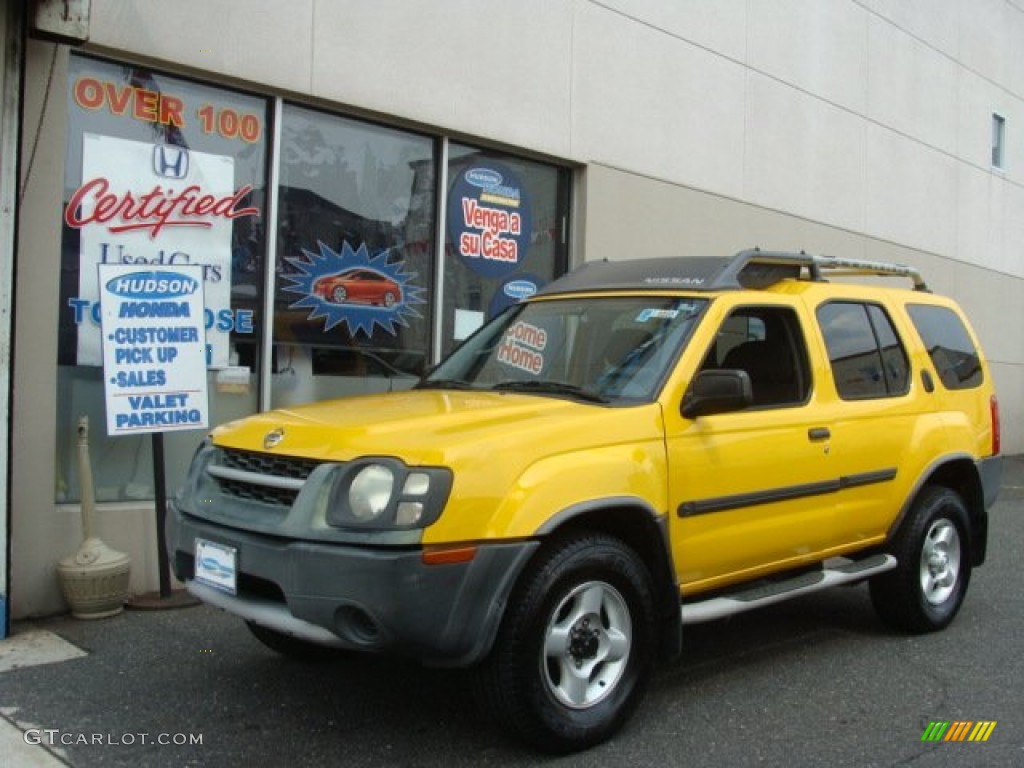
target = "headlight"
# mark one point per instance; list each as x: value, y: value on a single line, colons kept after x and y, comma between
x: 385, y: 494
x: 370, y: 492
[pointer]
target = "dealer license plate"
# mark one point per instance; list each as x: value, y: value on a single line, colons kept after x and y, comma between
x: 216, y: 565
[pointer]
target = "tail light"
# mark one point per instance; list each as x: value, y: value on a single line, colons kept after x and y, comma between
x: 996, y: 437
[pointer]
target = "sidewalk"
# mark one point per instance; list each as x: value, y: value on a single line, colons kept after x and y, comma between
x: 27, y: 647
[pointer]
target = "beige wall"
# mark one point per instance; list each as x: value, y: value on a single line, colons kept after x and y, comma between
x: 39, y: 533
x: 857, y: 128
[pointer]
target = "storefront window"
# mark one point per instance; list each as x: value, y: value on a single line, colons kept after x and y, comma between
x: 507, y: 227
x: 355, y: 257
x: 162, y: 171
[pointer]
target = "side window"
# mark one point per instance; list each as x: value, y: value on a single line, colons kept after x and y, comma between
x: 768, y: 344
x: 949, y: 345
x: 867, y: 357
x: 894, y: 357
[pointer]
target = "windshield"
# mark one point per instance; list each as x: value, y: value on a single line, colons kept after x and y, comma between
x: 600, y: 349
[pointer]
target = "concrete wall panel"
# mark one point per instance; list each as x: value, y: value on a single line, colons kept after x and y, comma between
x: 34, y: 524
x: 974, y: 212
x: 985, y: 42
x: 910, y: 192
x: 934, y: 22
x: 822, y: 177
x: 499, y: 70
x: 720, y: 26
x: 263, y: 41
x: 819, y: 47
x: 912, y: 88
x: 646, y: 101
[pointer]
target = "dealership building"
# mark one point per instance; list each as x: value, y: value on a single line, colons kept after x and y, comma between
x: 356, y: 186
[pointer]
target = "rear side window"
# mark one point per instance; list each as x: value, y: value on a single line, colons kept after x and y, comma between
x: 867, y: 357
x: 953, y: 353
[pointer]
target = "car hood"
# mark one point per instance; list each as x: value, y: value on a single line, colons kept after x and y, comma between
x: 441, y: 428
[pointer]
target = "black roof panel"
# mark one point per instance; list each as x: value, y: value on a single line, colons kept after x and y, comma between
x: 749, y: 269
x: 686, y: 273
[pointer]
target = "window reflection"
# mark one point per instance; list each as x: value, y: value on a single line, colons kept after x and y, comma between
x: 355, y: 257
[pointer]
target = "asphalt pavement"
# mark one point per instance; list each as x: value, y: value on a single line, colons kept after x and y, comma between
x: 818, y: 681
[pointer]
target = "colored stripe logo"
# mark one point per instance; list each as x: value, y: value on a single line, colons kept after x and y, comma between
x: 958, y: 730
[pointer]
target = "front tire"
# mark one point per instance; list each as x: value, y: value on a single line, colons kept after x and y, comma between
x: 924, y: 592
x: 576, y: 646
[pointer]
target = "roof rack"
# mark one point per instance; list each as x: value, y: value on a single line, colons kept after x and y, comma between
x: 749, y: 269
x: 816, y: 264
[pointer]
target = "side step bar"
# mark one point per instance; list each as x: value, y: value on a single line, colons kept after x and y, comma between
x: 838, y: 571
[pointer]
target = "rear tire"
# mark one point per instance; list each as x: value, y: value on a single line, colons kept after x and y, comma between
x: 576, y: 646
x: 924, y: 592
x: 292, y: 647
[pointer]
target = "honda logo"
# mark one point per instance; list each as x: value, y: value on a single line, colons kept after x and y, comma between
x: 170, y: 161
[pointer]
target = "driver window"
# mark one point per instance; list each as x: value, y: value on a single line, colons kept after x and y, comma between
x: 767, y: 343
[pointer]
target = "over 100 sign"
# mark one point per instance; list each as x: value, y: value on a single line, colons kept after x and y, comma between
x: 154, y: 348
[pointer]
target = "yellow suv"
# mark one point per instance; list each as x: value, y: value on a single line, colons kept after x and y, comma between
x: 642, y: 445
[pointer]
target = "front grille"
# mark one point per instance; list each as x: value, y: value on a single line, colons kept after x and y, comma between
x: 267, y: 463
x: 262, y: 470
x: 278, y: 497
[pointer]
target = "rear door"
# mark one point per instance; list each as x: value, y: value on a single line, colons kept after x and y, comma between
x: 879, y: 433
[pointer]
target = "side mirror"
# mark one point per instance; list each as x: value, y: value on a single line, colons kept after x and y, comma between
x: 717, y: 391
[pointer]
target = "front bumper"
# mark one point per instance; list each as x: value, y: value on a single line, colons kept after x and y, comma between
x: 357, y: 597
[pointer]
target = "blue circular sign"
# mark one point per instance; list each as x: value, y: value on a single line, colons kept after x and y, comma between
x: 513, y: 289
x: 489, y: 223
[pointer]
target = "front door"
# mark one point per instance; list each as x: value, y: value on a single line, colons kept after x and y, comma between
x: 752, y: 491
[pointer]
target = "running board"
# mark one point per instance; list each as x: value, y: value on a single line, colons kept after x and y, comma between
x: 842, y: 572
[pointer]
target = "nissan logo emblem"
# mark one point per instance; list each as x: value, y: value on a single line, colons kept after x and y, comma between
x: 273, y: 438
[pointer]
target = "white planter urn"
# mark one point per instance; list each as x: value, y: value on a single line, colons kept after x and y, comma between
x: 95, y: 579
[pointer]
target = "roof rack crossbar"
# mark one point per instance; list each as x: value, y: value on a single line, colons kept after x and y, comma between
x: 816, y: 264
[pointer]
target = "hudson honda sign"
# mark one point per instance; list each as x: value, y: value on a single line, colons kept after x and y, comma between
x: 154, y: 350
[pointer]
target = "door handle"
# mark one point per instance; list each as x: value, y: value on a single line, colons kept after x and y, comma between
x: 816, y: 434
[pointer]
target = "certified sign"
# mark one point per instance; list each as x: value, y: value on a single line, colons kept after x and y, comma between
x: 154, y: 348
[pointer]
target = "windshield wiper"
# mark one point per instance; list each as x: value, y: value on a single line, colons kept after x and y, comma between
x: 443, y: 384
x: 551, y: 388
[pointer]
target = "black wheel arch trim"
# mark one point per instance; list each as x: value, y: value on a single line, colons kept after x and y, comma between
x: 655, y: 549
x: 987, y: 474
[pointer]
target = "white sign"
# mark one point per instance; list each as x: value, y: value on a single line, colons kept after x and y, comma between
x: 154, y: 348
x: 155, y: 205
